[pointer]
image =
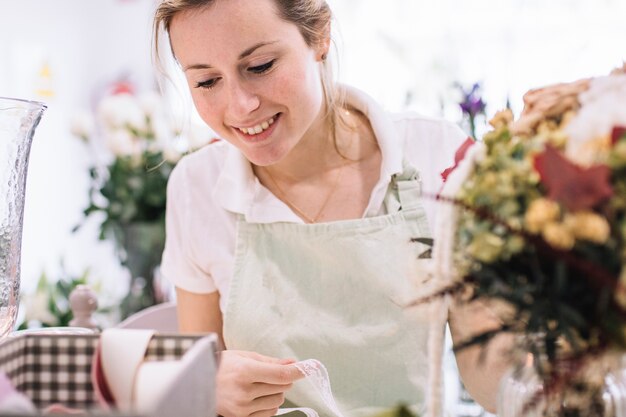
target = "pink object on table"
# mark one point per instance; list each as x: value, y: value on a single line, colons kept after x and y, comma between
x: 13, y: 401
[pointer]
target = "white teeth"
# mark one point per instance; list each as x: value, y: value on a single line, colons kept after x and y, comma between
x: 258, y: 128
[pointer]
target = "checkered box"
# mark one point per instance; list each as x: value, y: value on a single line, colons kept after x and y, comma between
x: 56, y: 368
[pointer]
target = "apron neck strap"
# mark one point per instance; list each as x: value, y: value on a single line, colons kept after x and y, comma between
x: 405, y: 190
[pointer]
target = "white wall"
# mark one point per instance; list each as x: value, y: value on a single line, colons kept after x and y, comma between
x: 391, y: 48
x: 86, y: 44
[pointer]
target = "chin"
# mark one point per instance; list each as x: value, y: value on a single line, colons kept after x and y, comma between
x: 262, y: 159
x: 265, y: 156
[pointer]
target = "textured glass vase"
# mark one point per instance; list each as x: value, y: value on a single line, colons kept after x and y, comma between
x: 18, y: 120
x: 597, y: 389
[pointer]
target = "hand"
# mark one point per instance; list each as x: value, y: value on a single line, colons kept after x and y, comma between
x: 250, y: 384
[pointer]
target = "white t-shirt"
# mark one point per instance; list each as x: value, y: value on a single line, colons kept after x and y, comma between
x: 210, y: 188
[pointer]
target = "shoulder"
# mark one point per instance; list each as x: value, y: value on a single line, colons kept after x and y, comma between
x: 199, y: 169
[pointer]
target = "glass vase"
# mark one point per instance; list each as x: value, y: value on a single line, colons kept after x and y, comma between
x: 594, y: 387
x: 18, y: 121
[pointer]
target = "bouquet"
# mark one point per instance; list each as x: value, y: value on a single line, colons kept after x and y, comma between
x: 137, y: 144
x: 539, y: 208
x: 49, y: 305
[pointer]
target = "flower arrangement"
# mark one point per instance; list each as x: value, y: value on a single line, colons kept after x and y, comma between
x: 137, y: 145
x: 49, y: 305
x: 540, y: 212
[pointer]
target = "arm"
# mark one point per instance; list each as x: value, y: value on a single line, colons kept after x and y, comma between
x: 248, y: 384
x: 199, y: 313
x: 481, y: 375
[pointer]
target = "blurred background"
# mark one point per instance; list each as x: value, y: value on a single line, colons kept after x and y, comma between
x: 408, y: 54
x: 426, y: 56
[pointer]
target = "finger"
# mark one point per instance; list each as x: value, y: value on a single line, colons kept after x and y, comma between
x: 268, y: 359
x: 268, y: 402
x: 260, y: 389
x: 275, y: 374
x: 265, y: 413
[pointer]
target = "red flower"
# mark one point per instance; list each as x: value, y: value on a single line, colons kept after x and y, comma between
x: 618, y: 133
x: 122, y: 87
x: 458, y: 157
x: 575, y: 187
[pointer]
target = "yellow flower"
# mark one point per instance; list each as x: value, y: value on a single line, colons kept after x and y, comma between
x: 587, y: 225
x: 619, y: 150
x: 486, y: 247
x: 591, y: 152
x: 501, y: 118
x: 567, y: 117
x: 558, y: 235
x: 541, y: 212
x: 558, y: 138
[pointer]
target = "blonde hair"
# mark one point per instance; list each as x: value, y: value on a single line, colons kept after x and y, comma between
x: 312, y: 17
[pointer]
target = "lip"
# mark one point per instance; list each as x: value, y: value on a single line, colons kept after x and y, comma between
x: 259, y: 137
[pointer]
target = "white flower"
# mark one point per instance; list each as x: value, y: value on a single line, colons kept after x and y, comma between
x: 82, y: 125
x: 603, y: 107
x: 170, y: 153
x: 151, y: 103
x: 163, y: 130
x: 173, y: 148
x: 122, y: 110
x: 36, y: 309
x: 122, y: 143
x: 199, y: 135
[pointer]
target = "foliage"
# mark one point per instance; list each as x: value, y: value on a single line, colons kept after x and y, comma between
x: 49, y: 305
x: 543, y: 225
x: 142, y: 144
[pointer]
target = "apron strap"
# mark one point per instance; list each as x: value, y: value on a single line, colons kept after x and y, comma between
x: 405, y: 190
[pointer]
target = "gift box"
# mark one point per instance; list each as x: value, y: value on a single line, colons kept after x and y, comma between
x: 56, y: 369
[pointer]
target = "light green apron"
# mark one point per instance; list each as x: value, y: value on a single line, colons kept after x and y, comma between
x: 335, y: 292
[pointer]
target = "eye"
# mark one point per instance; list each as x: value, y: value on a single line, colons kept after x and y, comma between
x: 260, y: 69
x: 207, y: 84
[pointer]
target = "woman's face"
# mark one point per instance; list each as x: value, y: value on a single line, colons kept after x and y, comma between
x: 253, y: 78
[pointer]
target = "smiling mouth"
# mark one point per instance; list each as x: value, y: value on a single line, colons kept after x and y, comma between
x: 259, y: 128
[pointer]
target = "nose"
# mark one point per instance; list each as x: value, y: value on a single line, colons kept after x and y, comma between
x: 241, y: 100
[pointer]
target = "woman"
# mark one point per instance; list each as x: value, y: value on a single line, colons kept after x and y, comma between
x: 292, y: 240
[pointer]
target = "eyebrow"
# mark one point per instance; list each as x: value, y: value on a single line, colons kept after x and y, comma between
x: 242, y: 55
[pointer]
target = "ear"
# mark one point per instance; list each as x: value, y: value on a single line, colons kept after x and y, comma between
x: 324, y: 44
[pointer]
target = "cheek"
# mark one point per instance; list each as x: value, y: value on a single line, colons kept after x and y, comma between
x: 207, y: 109
x: 301, y: 88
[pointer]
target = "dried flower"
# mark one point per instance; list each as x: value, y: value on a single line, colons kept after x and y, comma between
x: 541, y: 212
x: 541, y: 225
x: 501, y: 118
x: 587, y: 225
x: 486, y: 247
x: 558, y: 235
